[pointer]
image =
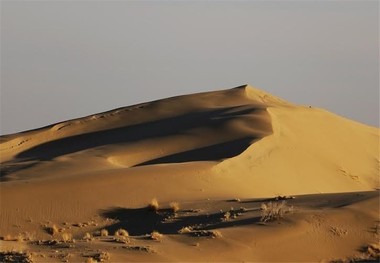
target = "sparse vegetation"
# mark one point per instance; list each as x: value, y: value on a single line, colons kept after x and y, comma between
x: 67, y: 237
x: 20, y: 237
x: 153, y: 205
x: 226, y: 216
x: 274, y: 211
x: 122, y: 232
x: 121, y: 236
x: 104, y: 232
x: 185, y: 230
x: 215, y: 234
x: 102, y: 256
x: 25, y: 236
x: 87, y: 236
x: 155, y: 235
x: 91, y: 260
x: 174, y: 206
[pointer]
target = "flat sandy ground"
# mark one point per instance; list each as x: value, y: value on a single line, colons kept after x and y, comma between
x: 238, y: 175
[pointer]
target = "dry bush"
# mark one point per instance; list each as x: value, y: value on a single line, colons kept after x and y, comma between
x: 185, y: 230
x: 102, y: 256
x: 226, y: 216
x: 155, y: 235
x: 67, y: 237
x: 153, y: 205
x: 216, y: 234
x: 87, y: 236
x: 121, y: 236
x: 104, y: 232
x: 91, y: 260
x: 122, y: 232
x: 174, y: 206
x: 20, y: 237
x: 25, y: 236
x: 274, y: 211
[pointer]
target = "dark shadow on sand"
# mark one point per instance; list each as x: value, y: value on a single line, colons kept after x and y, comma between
x: 182, y: 124
x: 142, y: 221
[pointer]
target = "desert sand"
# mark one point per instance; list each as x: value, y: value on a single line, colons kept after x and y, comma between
x: 230, y: 175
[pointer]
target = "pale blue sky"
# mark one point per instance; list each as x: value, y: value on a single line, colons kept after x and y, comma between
x: 67, y: 59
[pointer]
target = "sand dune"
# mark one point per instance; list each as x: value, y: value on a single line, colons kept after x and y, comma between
x: 199, y: 150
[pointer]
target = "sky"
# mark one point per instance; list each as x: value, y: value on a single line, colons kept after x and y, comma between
x: 66, y: 59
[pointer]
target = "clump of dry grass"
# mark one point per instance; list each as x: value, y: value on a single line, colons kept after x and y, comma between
x: 104, y: 232
x: 25, y: 236
x: 67, y: 237
x: 174, y: 206
x: 91, y: 260
x: 122, y: 232
x: 102, y: 256
x: 87, y: 236
x: 185, y: 230
x: 155, y: 235
x: 153, y: 205
x: 226, y: 216
x: 274, y: 211
x: 122, y: 236
x: 216, y: 234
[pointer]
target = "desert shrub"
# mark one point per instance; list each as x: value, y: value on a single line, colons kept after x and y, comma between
x: 226, y: 216
x: 67, y: 237
x: 91, y: 260
x: 122, y: 232
x: 216, y: 234
x: 87, y: 236
x: 185, y: 230
x: 122, y: 236
x: 174, y: 206
x: 155, y: 235
x: 153, y: 205
x: 104, y: 232
x: 274, y: 211
x: 20, y: 237
x: 101, y: 257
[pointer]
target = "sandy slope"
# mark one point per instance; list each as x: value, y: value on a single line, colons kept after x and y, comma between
x: 237, y: 143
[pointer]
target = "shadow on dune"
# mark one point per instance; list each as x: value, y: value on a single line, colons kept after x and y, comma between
x: 209, y: 153
x: 142, y: 221
x: 214, y: 119
x: 167, y: 127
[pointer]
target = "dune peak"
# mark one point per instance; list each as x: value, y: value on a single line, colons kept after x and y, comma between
x: 261, y: 96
